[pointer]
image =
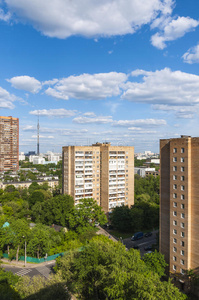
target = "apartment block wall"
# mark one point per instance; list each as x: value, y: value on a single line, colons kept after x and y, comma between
x: 9, y: 143
x: 179, y: 203
x: 112, y: 174
x: 81, y: 172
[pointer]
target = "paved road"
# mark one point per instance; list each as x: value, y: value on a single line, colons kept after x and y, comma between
x: 43, y: 270
x: 145, y: 241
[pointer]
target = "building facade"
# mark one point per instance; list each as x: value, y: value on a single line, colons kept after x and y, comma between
x: 9, y: 144
x: 179, y: 203
x: 102, y: 172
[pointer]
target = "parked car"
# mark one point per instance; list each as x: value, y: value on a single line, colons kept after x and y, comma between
x: 148, y: 248
x: 148, y: 234
x: 137, y: 236
x: 136, y: 247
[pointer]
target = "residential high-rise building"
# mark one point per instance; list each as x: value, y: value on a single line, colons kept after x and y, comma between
x: 9, y: 143
x: 179, y: 203
x: 102, y: 172
x: 81, y: 172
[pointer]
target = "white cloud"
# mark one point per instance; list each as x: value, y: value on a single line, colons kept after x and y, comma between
x: 96, y: 120
x: 56, y: 113
x: 89, y: 87
x: 192, y: 55
x: 6, y: 99
x: 4, y: 16
x: 89, y: 18
x: 43, y: 137
x: 140, y: 122
x: 173, y: 29
x: 164, y: 87
x: 90, y: 114
x: 26, y: 83
x: 185, y: 112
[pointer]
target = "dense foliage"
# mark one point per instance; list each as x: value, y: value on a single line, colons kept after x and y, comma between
x: 105, y: 270
x: 144, y: 214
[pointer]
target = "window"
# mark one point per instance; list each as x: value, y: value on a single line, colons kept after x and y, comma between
x: 182, y: 206
x: 175, y: 186
x: 174, y: 168
x: 182, y: 225
x: 182, y: 159
x: 182, y: 261
x: 175, y: 249
x: 182, y: 234
x: 175, y: 213
x: 182, y: 197
x: 175, y: 223
x: 182, y: 271
x: 182, y: 252
x: 175, y: 241
x: 182, y: 215
x: 174, y: 159
x: 174, y: 258
x: 182, y: 243
x: 174, y: 195
x: 182, y: 169
x: 174, y: 150
x: 174, y: 204
x: 174, y: 177
x: 182, y: 178
x: 174, y: 267
x: 182, y: 150
x: 182, y: 187
x: 174, y: 231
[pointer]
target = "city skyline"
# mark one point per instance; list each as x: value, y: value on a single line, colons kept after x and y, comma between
x: 129, y: 79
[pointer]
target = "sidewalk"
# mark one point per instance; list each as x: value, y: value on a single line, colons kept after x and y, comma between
x: 20, y: 264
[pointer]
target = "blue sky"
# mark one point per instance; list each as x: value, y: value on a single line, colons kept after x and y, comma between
x: 111, y: 70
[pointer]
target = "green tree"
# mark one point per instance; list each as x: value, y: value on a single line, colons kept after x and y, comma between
x: 36, y: 196
x: 156, y: 262
x: 56, y: 210
x: 105, y: 270
x: 39, y: 288
x: 20, y: 232
x: 85, y: 214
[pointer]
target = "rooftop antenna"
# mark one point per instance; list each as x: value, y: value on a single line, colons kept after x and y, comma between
x: 38, y: 136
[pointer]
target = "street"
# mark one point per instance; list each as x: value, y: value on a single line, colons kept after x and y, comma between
x: 145, y: 241
x: 43, y: 270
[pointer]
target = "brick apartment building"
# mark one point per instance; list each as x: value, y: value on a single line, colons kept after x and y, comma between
x: 179, y: 204
x: 9, y: 144
x: 100, y: 171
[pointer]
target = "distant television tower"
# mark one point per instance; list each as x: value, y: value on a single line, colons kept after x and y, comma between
x: 38, y: 136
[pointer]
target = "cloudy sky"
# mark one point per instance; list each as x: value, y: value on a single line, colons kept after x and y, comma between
x: 111, y: 70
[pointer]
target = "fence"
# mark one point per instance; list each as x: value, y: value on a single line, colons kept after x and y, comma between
x: 36, y: 260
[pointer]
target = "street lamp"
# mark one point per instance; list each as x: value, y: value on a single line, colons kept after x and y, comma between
x: 25, y: 252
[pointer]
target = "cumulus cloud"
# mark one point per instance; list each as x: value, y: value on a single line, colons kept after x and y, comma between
x: 26, y: 83
x: 185, y: 112
x: 89, y: 87
x: 89, y: 18
x: 164, y: 87
x: 6, y: 99
x: 54, y: 113
x: 172, y: 30
x: 95, y: 120
x: 192, y: 55
x: 140, y: 122
x: 4, y: 16
x: 90, y: 114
